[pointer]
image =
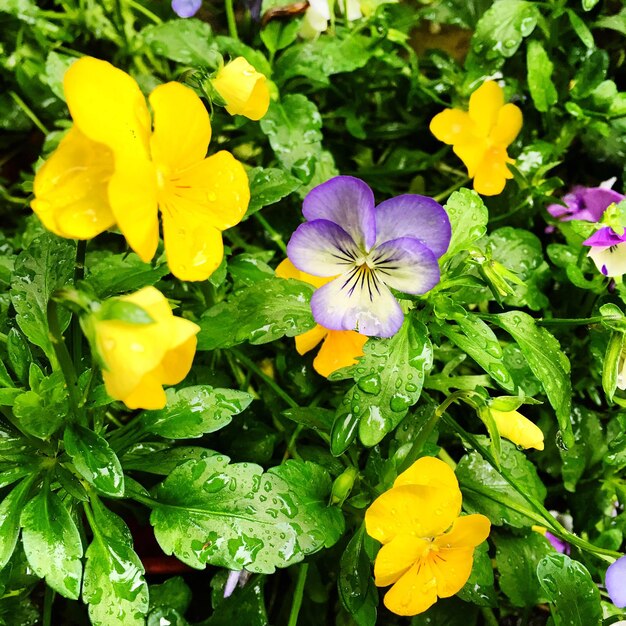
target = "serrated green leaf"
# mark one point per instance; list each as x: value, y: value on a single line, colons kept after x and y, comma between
x: 52, y: 543
x: 260, y: 313
x: 539, y: 68
x: 94, y: 459
x: 468, y: 218
x: 10, y: 511
x: 268, y: 186
x: 47, y: 264
x: 547, y: 361
x: 573, y: 596
x: 113, y: 586
x: 20, y: 356
x: 236, y: 516
x: 486, y: 491
x: 195, y: 411
x: 502, y: 28
x: 517, y: 559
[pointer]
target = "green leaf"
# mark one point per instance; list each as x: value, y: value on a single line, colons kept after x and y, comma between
x: 355, y: 576
x: 47, y: 264
x: 589, y: 4
x: 479, y: 587
x: 174, y: 593
x: 113, y: 586
x: 540, y: 83
x: 236, y: 516
x: 261, y: 313
x: 56, y: 66
x: 157, y: 457
x: 581, y: 29
x: 448, y: 612
x: 615, y: 22
x: 268, y: 186
x: 236, y: 48
x: 244, y: 606
x: 549, y: 364
x: 312, y: 417
x: 20, y: 356
x: 517, y: 559
x: 591, y: 74
x: 468, y: 218
x: 279, y: 34
x: 502, y: 28
x: 486, y: 491
x: 52, y: 543
x: 293, y: 128
x: 94, y: 460
x: 573, y: 596
x: 189, y: 41
x: 194, y: 411
x: 122, y: 311
x: 5, y: 378
x: 318, y: 60
x: 10, y: 511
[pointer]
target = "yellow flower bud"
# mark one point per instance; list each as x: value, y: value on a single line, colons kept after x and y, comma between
x: 138, y: 358
x: 518, y: 429
x: 243, y: 89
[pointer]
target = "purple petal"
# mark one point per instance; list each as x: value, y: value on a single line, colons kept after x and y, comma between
x: 558, y: 544
x: 407, y: 265
x: 615, y: 582
x: 352, y: 302
x: 585, y: 203
x: 414, y: 216
x: 348, y: 202
x: 322, y: 248
x: 604, y: 238
x: 231, y: 582
x: 186, y: 8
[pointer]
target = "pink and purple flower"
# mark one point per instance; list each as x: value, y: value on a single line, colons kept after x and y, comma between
x: 368, y: 249
x: 585, y: 203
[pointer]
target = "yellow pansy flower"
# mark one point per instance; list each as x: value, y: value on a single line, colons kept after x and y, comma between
x: 340, y: 348
x: 428, y: 549
x: 138, y: 359
x: 243, y: 89
x: 117, y: 167
x: 516, y: 428
x: 481, y: 136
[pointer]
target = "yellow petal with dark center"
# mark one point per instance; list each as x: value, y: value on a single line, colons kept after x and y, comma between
x: 341, y: 348
x: 411, y: 509
x: 508, y: 125
x: 108, y: 107
x: 308, y: 340
x: 415, y: 591
x: 453, y: 126
x: 451, y: 568
x: 484, y: 106
x: 467, y: 531
x: 216, y: 188
x: 193, y: 245
x: 396, y: 557
x: 182, y: 129
x: 70, y: 188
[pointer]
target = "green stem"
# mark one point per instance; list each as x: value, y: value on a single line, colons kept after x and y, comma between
x: 274, y: 235
x: 48, y: 600
x: 63, y: 356
x: 230, y: 17
x: 444, y: 194
x: 298, y: 594
x: 141, y: 9
x: 558, y: 321
x: 77, y: 333
x: 28, y: 112
x: 489, y: 617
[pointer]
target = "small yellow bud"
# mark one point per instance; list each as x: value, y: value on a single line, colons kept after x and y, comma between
x: 518, y: 429
x: 244, y: 90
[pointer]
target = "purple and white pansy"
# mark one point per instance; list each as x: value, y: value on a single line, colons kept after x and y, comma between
x: 368, y: 249
x: 608, y: 251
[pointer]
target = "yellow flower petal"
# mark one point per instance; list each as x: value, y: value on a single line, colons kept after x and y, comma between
x: 396, y: 557
x: 133, y: 199
x: 193, y: 245
x: 182, y: 129
x: 451, y: 568
x: 518, y: 429
x: 216, y: 188
x: 492, y: 174
x: 286, y: 269
x: 415, y: 592
x: 484, y: 106
x: 108, y: 107
x: 412, y: 509
x: 508, y: 125
x: 341, y: 348
x: 71, y: 188
x: 453, y: 126
x: 429, y: 472
x: 177, y: 362
x: 148, y: 394
x: 468, y: 531
x: 472, y: 153
x: 307, y: 341
x: 243, y: 89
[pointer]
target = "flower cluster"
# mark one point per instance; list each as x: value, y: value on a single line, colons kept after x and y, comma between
x: 367, y: 249
x: 480, y: 136
x: 427, y: 548
x: 117, y: 167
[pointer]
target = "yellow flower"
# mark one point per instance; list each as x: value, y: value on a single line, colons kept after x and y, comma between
x: 340, y: 348
x: 518, y: 429
x: 428, y: 550
x: 116, y: 166
x: 139, y: 359
x: 481, y: 136
x: 243, y: 88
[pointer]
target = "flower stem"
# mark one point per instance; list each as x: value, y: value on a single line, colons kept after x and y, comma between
x: 77, y: 333
x: 230, y: 17
x: 28, y: 112
x: 48, y: 600
x: 444, y: 194
x: 298, y: 594
x: 273, y: 234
